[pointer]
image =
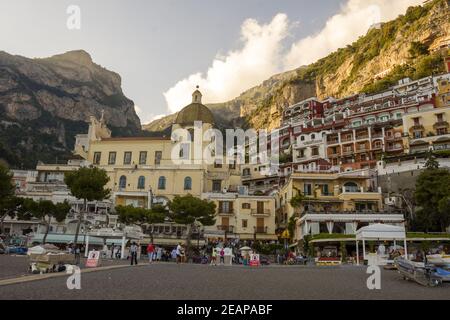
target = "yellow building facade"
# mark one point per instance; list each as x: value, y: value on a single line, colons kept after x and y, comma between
x: 443, y: 95
x: 427, y: 130
x: 141, y: 168
x: 332, y: 202
x: 243, y: 216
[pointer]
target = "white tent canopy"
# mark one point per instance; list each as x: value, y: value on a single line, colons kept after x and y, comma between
x: 379, y: 231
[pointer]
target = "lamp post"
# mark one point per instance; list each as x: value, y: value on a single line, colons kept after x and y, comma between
x: 150, y: 198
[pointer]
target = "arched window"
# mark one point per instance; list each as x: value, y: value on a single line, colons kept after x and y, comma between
x: 141, y: 182
x: 162, y: 183
x: 313, y: 136
x: 351, y: 187
x: 187, y: 183
x: 123, y: 182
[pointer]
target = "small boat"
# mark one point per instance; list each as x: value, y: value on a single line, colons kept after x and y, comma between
x: 424, y: 274
x: 438, y: 258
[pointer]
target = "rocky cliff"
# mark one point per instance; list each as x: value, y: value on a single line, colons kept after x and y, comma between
x: 405, y: 47
x: 45, y: 102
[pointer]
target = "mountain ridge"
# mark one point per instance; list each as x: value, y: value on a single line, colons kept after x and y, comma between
x: 45, y: 102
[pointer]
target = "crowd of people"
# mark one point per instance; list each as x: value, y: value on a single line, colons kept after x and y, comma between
x: 157, y: 253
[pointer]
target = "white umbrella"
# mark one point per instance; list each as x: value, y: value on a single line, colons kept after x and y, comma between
x: 245, y: 249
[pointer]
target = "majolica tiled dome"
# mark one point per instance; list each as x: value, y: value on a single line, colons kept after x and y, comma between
x: 195, y: 111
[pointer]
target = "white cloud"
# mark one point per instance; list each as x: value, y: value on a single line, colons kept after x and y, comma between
x: 263, y: 55
x: 353, y: 20
x: 238, y: 70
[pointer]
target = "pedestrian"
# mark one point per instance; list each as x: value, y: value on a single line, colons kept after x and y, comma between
x: 150, y: 250
x: 158, y: 254
x: 133, y: 251
x: 173, y: 254
x: 112, y: 251
x: 77, y: 255
x: 182, y: 254
x: 178, y: 253
x: 214, y: 257
x: 222, y: 256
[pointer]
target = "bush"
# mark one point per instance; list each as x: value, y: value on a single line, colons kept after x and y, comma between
x: 418, y: 49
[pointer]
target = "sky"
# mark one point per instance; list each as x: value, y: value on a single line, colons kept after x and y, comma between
x: 164, y: 48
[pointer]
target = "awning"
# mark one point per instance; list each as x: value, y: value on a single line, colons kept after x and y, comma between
x: 67, y: 238
x: 381, y: 231
x: 171, y: 241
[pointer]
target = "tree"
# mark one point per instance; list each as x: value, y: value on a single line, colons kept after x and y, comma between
x: 9, y: 207
x: 432, y: 194
x: 188, y: 209
x: 140, y: 216
x: 9, y: 204
x: 417, y: 49
x: 87, y: 184
x: 46, y: 210
x: 431, y: 162
x: 6, y: 184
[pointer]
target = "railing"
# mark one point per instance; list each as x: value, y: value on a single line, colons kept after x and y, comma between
x: 333, y: 154
x: 347, y: 152
x: 393, y: 137
x: 351, y: 212
x: 377, y: 146
x: 225, y: 228
x: 229, y: 211
x: 260, y: 229
x: 395, y: 148
x: 333, y: 141
x: 260, y: 212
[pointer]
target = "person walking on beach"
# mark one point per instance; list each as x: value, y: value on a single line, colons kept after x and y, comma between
x: 179, y: 249
x: 150, y: 250
x: 133, y: 251
x: 214, y: 257
x: 158, y: 254
x: 222, y: 256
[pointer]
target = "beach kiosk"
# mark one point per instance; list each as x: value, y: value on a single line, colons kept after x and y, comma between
x: 379, y: 232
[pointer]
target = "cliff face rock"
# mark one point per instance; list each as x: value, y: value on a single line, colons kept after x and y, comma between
x: 372, y: 63
x: 51, y: 99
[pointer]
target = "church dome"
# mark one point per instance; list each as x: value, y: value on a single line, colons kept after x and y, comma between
x: 195, y: 111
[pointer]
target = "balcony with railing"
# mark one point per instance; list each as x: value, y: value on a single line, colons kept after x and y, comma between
x: 260, y: 229
x: 362, y: 148
x: 441, y: 124
x: 225, y: 228
x: 362, y: 136
x: 377, y: 146
x: 394, y: 137
x: 347, y: 138
x: 225, y: 212
x: 364, y: 212
x: 260, y: 212
x: 396, y: 147
x: 332, y: 139
x: 331, y: 153
x: 347, y: 151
